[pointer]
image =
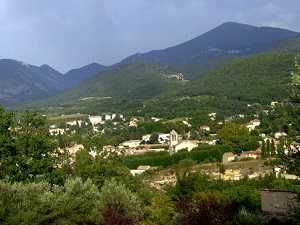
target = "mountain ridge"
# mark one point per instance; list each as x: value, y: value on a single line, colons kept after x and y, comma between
x: 247, y: 40
x: 23, y: 82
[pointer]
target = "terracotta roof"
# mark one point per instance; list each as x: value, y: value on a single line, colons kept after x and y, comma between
x: 229, y: 154
x: 143, y: 167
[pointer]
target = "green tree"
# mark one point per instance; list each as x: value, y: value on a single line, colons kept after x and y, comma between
x: 263, y: 149
x: 27, y: 150
x: 119, y: 205
x: 268, y: 148
x: 234, y: 135
x: 153, y: 138
x: 8, y: 152
x: 222, y: 169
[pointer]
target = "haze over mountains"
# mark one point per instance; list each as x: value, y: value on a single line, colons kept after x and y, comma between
x: 22, y: 82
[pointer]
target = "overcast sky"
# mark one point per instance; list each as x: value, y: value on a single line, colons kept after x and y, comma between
x: 68, y: 34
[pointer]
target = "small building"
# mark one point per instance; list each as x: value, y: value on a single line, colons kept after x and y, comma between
x: 228, y: 157
x: 205, y: 127
x: 108, y: 117
x: 279, y: 134
x: 132, y: 143
x: 251, y: 154
x: 95, y: 119
x: 73, y: 123
x: 141, y: 169
x: 57, y: 131
x: 253, y: 123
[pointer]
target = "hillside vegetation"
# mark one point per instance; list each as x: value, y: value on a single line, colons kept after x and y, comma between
x: 148, y: 89
x: 138, y: 80
x: 258, y: 78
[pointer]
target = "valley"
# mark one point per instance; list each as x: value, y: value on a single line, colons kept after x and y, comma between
x: 191, y: 133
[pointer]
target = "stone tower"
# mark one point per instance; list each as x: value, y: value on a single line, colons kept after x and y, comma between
x: 173, y: 141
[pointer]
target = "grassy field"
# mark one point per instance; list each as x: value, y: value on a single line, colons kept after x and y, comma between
x: 66, y: 118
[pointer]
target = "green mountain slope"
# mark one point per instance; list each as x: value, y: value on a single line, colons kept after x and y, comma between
x: 148, y: 89
x: 290, y: 46
x: 138, y: 80
x: 258, y: 78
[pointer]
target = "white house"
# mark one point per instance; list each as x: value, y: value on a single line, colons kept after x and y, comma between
x: 72, y: 123
x: 139, y: 170
x: 108, y: 117
x: 95, y: 119
x: 56, y: 131
x: 253, y: 123
x: 205, y: 127
x: 132, y: 143
x: 279, y: 134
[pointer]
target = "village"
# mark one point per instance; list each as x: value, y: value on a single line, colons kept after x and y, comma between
x: 174, y: 142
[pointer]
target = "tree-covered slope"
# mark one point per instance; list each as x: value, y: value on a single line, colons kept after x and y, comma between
x: 258, y: 78
x: 138, y: 80
x: 291, y: 45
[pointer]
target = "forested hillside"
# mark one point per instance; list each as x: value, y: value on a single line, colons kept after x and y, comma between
x: 258, y: 78
x: 138, y: 80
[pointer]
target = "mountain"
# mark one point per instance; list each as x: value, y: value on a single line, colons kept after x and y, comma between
x: 21, y: 81
x: 76, y: 76
x: 137, y: 80
x: 228, y: 39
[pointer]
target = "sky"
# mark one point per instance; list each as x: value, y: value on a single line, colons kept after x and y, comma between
x: 69, y: 34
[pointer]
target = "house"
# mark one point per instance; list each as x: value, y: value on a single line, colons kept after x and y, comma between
x: 95, y: 119
x: 162, y: 138
x: 108, y: 117
x: 109, y: 148
x: 228, y: 157
x: 132, y: 143
x: 205, y: 127
x: 295, y: 146
x: 113, y: 116
x: 57, y: 131
x: 186, y: 123
x: 273, y: 104
x: 139, y: 170
x: 252, y: 124
x: 279, y: 134
x: 251, y: 154
x: 255, y: 122
x: 176, y: 143
x: 212, y: 115
x: 73, y: 123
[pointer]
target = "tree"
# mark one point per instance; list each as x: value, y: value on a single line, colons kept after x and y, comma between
x: 27, y: 149
x: 263, y: 149
x: 8, y: 153
x: 292, y: 159
x: 153, y: 138
x: 268, y: 149
x: 234, y: 135
x: 119, y: 205
x: 295, y: 95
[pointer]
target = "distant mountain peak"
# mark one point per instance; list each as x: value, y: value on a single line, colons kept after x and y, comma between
x: 228, y: 38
